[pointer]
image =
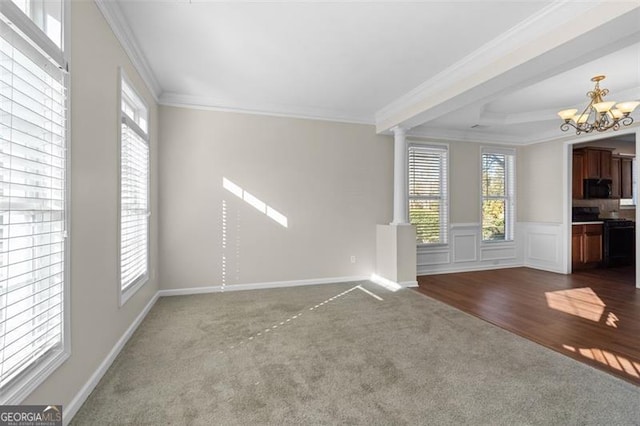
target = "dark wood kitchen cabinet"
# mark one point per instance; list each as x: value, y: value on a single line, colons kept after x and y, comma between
x: 586, y: 246
x: 616, y: 191
x: 626, y: 177
x: 622, y: 177
x: 597, y: 163
x: 578, y: 174
x: 590, y: 163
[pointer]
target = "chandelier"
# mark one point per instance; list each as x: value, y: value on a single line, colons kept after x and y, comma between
x: 598, y: 115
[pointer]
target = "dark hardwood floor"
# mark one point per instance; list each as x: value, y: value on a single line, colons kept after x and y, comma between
x: 591, y: 316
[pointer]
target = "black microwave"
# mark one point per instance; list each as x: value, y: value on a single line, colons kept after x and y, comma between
x: 597, y: 188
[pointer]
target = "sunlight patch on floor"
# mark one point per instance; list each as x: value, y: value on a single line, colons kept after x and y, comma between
x: 580, y: 302
x: 617, y: 362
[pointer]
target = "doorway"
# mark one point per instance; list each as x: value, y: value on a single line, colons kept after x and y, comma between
x: 602, y: 194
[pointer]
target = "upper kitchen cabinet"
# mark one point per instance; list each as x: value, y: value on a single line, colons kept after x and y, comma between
x: 622, y: 177
x: 578, y: 174
x: 597, y: 163
x: 590, y: 163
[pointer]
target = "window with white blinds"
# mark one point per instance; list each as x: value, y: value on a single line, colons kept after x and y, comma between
x: 134, y: 191
x: 498, y: 195
x: 428, y: 198
x: 32, y: 208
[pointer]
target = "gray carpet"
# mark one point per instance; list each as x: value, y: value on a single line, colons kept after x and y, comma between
x: 209, y: 360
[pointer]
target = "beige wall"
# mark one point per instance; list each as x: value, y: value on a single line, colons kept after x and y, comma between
x: 540, y: 173
x: 465, y: 182
x: 333, y: 182
x: 96, y: 320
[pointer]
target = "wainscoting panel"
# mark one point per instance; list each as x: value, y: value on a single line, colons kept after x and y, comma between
x: 465, y: 247
x: 440, y: 256
x: 543, y: 246
x: 465, y: 252
x: 499, y: 251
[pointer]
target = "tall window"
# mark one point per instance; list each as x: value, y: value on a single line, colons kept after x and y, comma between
x: 33, y: 203
x: 134, y: 192
x: 428, y: 199
x: 498, y: 194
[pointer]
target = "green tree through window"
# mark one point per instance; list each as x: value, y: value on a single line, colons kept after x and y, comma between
x: 497, y: 196
x: 428, y: 192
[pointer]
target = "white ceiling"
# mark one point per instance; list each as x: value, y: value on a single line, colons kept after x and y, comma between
x: 349, y: 60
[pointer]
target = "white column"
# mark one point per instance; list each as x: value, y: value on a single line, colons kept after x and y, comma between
x: 400, y: 185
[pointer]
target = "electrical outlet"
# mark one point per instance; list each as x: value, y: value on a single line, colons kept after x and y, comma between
x: 353, y: 259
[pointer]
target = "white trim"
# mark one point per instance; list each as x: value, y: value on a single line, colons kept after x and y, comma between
x: 391, y: 285
x: 534, y: 26
x: 510, y: 197
x: 118, y: 24
x: 469, y: 135
x: 306, y: 113
x: 32, y: 377
x: 474, y: 268
x: 466, y: 225
x: 504, y: 60
x: 29, y: 29
x: 72, y: 408
x: 125, y: 294
x: 259, y: 286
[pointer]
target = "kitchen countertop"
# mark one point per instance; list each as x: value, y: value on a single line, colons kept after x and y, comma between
x: 592, y: 222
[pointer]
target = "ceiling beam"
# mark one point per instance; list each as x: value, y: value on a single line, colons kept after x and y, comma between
x: 559, y: 38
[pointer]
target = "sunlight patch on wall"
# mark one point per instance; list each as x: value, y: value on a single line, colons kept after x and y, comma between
x: 581, y: 302
x: 255, y: 202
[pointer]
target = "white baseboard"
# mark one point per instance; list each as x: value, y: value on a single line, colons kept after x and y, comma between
x: 407, y: 284
x: 72, y: 408
x: 474, y: 268
x: 258, y: 286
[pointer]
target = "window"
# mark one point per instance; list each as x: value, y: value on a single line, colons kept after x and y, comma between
x: 498, y: 195
x: 46, y: 14
x: 428, y: 199
x: 134, y: 191
x: 33, y: 243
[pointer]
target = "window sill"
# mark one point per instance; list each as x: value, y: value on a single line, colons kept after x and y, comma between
x: 24, y: 386
x: 128, y: 293
x: 494, y: 243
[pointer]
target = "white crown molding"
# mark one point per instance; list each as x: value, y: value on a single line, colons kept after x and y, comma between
x: 455, y: 135
x: 506, y: 42
x: 309, y: 113
x: 558, y: 136
x: 517, y: 43
x: 116, y: 20
x: 552, y: 135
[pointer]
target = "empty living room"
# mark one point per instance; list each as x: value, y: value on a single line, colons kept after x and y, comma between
x: 316, y: 212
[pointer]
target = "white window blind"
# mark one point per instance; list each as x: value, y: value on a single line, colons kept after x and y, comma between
x: 498, y: 195
x: 134, y: 190
x: 428, y: 198
x: 32, y: 207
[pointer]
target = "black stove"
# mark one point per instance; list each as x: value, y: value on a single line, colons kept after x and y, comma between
x: 618, y: 242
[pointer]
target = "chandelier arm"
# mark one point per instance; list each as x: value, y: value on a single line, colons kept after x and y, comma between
x: 566, y: 126
x: 627, y: 121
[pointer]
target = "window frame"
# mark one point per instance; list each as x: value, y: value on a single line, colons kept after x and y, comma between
x: 510, y: 194
x: 125, y: 294
x: 34, y: 375
x: 444, y: 216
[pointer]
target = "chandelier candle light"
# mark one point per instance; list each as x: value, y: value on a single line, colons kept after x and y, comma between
x: 598, y: 115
